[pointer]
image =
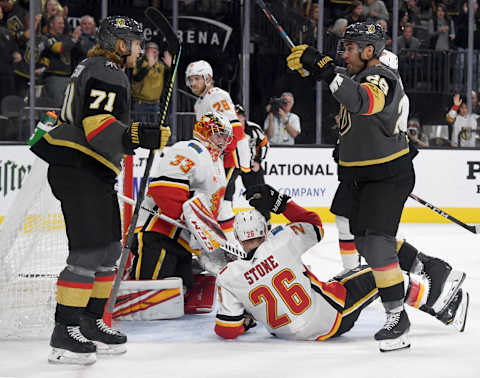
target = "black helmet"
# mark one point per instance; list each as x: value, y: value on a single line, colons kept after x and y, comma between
x: 239, y: 109
x: 118, y: 27
x: 364, y: 34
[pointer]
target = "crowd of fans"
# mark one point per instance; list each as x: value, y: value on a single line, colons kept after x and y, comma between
x: 437, y: 26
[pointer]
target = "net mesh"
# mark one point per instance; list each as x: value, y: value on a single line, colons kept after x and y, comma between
x: 33, y: 252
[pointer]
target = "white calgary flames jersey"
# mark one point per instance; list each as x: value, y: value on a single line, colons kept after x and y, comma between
x: 219, y: 101
x: 185, y: 167
x: 278, y: 290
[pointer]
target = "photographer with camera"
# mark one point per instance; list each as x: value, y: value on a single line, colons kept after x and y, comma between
x: 415, y: 134
x: 282, y: 126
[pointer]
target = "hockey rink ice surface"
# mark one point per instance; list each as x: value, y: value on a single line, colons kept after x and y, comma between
x: 188, y: 347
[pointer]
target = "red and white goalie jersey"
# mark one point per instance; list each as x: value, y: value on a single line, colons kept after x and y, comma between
x: 185, y: 167
x: 277, y: 289
x: 237, y: 153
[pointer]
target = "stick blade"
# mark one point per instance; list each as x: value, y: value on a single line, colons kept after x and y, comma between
x: 160, y: 22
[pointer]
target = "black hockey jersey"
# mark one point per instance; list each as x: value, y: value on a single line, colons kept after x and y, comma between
x: 373, y: 116
x: 95, y: 112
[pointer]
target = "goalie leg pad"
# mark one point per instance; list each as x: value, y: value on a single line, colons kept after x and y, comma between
x: 150, y: 300
x: 201, y: 298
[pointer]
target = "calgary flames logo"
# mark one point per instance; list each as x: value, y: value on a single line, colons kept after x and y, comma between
x: 216, y: 199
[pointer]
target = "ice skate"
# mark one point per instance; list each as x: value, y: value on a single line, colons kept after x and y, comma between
x: 394, y: 334
x: 444, y: 282
x: 71, y: 347
x: 107, y: 340
x: 455, y: 314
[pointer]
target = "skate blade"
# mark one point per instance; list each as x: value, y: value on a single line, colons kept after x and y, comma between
x: 454, y: 281
x: 460, y: 319
x: 63, y: 356
x: 390, y: 345
x: 110, y: 349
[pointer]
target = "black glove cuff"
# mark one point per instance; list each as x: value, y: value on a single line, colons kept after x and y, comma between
x: 309, y: 57
x: 280, y: 204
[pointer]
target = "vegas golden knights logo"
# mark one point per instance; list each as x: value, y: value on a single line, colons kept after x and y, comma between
x: 345, y: 121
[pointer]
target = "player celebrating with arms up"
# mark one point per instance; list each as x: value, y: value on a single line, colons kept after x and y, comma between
x: 84, y: 156
x: 273, y: 286
x: 374, y: 156
x: 199, y: 78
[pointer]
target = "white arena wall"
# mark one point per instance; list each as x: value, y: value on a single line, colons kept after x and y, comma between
x: 449, y: 179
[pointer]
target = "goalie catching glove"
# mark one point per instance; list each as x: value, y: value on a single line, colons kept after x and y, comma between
x: 264, y: 197
x: 320, y: 65
x: 146, y: 135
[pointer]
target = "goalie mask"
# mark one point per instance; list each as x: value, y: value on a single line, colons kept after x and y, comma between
x: 249, y: 224
x: 200, y: 68
x: 214, y: 132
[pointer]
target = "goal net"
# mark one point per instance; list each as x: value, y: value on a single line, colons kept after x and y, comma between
x: 34, y: 248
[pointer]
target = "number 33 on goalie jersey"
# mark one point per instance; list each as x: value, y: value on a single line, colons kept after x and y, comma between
x: 185, y: 167
x: 278, y: 290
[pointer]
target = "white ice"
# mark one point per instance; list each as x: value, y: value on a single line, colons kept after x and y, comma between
x: 188, y: 347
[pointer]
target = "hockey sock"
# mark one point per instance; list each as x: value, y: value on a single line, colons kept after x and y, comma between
x: 73, y: 292
x: 348, y: 251
x: 102, y: 287
x: 407, y: 256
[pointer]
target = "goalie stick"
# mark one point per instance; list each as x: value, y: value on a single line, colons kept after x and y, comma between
x: 472, y: 228
x: 175, y: 48
x: 226, y: 246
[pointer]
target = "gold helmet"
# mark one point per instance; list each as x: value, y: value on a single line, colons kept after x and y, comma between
x: 214, y: 132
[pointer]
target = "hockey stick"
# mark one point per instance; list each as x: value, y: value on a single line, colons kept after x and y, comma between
x: 278, y: 28
x: 474, y: 229
x: 227, y: 247
x: 161, y: 23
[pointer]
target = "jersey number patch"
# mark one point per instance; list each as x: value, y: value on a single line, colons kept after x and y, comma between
x: 99, y: 98
x: 294, y: 296
x: 184, y: 163
x: 220, y: 106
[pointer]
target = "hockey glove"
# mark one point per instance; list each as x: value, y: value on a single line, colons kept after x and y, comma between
x: 304, y: 56
x: 146, y: 135
x: 265, y: 198
x: 248, y: 321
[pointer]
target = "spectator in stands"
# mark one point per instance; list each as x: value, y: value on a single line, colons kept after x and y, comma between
x: 281, y: 125
x: 10, y: 55
x: 148, y: 82
x: 354, y: 12
x: 55, y: 61
x: 415, y: 133
x: 309, y: 30
x: 17, y: 21
x: 412, y: 10
x: 408, y: 42
x: 388, y: 38
x: 86, y: 40
x: 461, y: 42
x: 375, y: 10
x: 464, y: 128
x: 441, y: 29
x: 333, y: 35
x: 409, y: 61
x: 52, y: 8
